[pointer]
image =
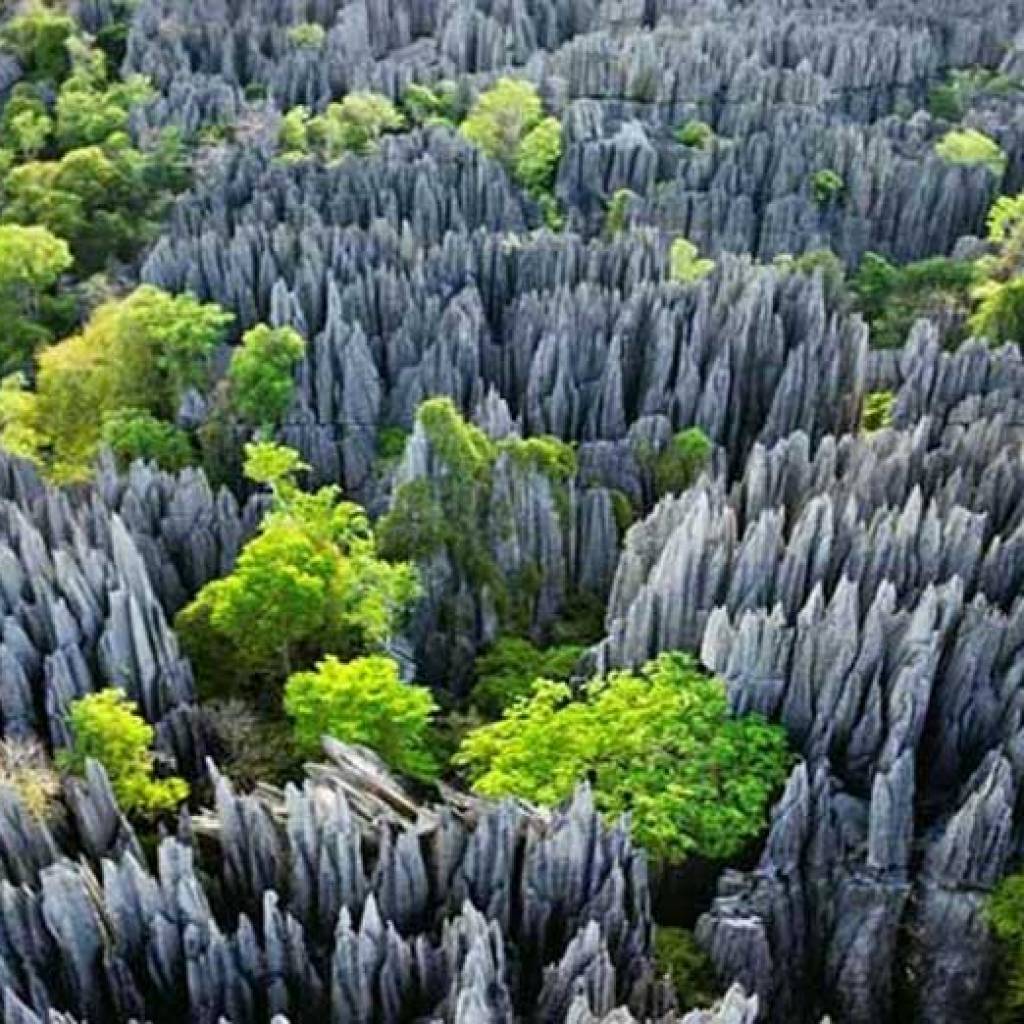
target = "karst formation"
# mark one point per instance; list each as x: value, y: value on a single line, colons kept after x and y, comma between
x: 511, y: 511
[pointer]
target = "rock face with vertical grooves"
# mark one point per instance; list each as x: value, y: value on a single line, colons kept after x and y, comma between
x: 863, y: 592
x: 339, y: 912
x: 861, y: 589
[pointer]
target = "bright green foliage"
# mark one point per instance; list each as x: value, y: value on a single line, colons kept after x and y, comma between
x: 892, y: 298
x: 293, y: 133
x: 618, y: 208
x: 684, y: 264
x: 659, y: 743
x: 311, y: 578
x: 31, y: 260
x: 261, y: 373
x: 19, y: 429
x: 999, y: 316
x: 107, y: 728
x: 135, y: 353
x: 428, y: 515
x: 354, y: 125
x: 877, y: 413
x: 677, y: 954
x: 25, y: 122
x: 275, y: 466
x: 506, y: 673
x: 89, y: 110
x: 1005, y: 224
x: 827, y: 186
x: 365, y: 702
x: 136, y: 434
x: 390, y: 444
x: 538, y: 156
x: 695, y: 135
x: 39, y: 38
x: 502, y: 117
x: 308, y: 35
x: 423, y: 105
x: 970, y: 147
x: 100, y: 199
x: 682, y: 460
x: 1005, y: 913
x: 544, y: 453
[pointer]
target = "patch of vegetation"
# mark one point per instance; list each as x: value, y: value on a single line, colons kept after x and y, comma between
x: 685, y: 264
x: 677, y: 954
x: 972, y: 148
x: 544, y: 453
x: 695, y: 135
x: 659, y: 743
x: 354, y: 125
x: 507, y: 122
x: 364, y: 701
x: 391, y: 442
x: 827, y: 186
x: 1005, y: 911
x: 307, y: 35
x: 133, y: 434
x: 260, y: 376
x: 892, y: 298
x: 423, y: 105
x: 136, y: 355
x: 623, y: 510
x: 106, y: 728
x: 311, y: 578
x: 617, y: 211
x: 507, y: 671
x: 877, y: 412
x: 678, y: 465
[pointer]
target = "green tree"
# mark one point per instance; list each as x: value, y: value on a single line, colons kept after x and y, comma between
x: 972, y: 148
x: 682, y: 460
x: 999, y: 316
x: 355, y: 125
x: 1005, y: 911
x: 501, y: 118
x: 39, y: 39
x: 364, y: 701
x: 695, y: 135
x: 877, y: 412
x: 136, y: 434
x: 106, y: 727
x: 827, y: 186
x: 31, y: 261
x: 684, y: 264
x: 506, y: 672
x: 423, y: 105
x: 307, y: 35
x: 260, y: 373
x: 311, y: 578
x: 293, y: 133
x: 659, y: 743
x: 538, y: 156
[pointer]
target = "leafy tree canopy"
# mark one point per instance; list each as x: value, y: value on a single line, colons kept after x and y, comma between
x: 659, y: 743
x: 364, y: 701
x: 684, y: 262
x: 507, y: 671
x: 107, y: 728
x: 260, y: 373
x: 311, y: 578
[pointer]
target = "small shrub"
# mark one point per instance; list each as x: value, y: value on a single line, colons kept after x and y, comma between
x: 622, y: 509
x: 999, y: 316
x: 423, y: 105
x: 971, y: 148
x: 261, y: 373
x: 25, y: 768
x: 877, y: 414
x: 1005, y: 912
x: 308, y: 35
x: 355, y: 125
x: 685, y: 266
x: 695, y: 135
x: 538, y: 156
x: 506, y: 673
x: 544, y: 453
x: 136, y: 434
x: 677, y: 954
x: 827, y: 186
x: 682, y: 461
x: 391, y: 442
x: 617, y: 210
x: 365, y: 702
x: 501, y: 118
x: 106, y: 727
x: 659, y: 743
